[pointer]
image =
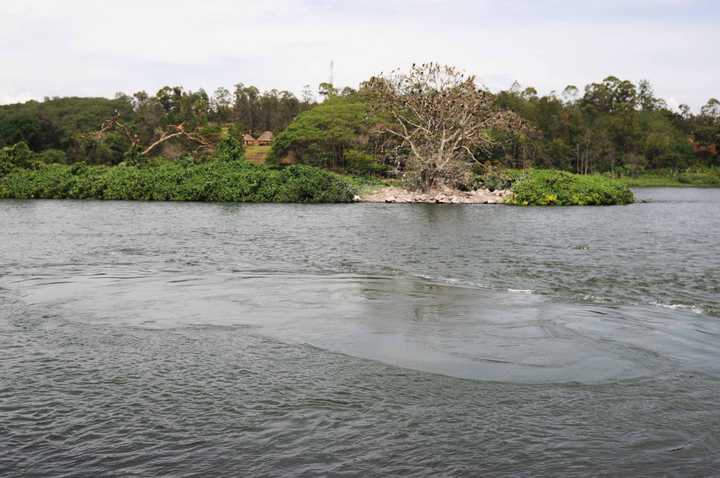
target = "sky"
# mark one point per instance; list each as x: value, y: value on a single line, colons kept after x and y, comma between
x: 99, y: 47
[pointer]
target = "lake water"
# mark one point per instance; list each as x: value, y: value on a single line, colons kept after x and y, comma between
x: 144, y: 339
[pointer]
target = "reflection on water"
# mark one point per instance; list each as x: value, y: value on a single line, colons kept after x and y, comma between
x: 184, y: 339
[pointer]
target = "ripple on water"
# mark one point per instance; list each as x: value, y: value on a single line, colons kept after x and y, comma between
x: 215, y: 399
x: 298, y: 340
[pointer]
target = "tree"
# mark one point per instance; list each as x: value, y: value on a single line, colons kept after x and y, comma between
x: 116, y: 131
x: 570, y: 94
x: 685, y: 112
x: 326, y: 90
x: 246, y: 106
x: 530, y: 93
x: 611, y: 96
x: 335, y: 134
x: 711, y: 109
x: 222, y: 104
x: 646, y: 96
x: 443, y: 119
x: 51, y: 124
x: 308, y: 96
x: 706, y: 129
x: 230, y: 149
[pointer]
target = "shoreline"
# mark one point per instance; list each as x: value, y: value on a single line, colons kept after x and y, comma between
x: 397, y: 195
x: 668, y: 181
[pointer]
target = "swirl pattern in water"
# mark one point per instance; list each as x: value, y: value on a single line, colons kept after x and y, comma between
x: 196, y: 339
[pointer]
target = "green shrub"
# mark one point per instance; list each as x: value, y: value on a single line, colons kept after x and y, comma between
x: 13, y: 157
x: 215, y: 180
x: 560, y: 188
x: 51, y: 156
x: 230, y: 149
x: 307, y: 184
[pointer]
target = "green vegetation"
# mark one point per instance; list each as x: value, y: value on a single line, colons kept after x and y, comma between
x: 257, y: 154
x: 215, y: 180
x: 54, y: 123
x: 187, y: 145
x: 559, y: 188
x: 18, y: 156
x: 71, y: 125
x: 335, y: 135
x: 693, y: 177
x: 709, y: 178
x: 612, y: 126
x: 542, y: 187
x: 493, y: 177
x: 615, y: 127
x: 651, y: 180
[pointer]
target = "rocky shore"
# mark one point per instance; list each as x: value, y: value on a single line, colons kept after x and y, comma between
x: 440, y: 196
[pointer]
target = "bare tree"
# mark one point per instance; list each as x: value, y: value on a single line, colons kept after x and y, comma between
x: 442, y: 118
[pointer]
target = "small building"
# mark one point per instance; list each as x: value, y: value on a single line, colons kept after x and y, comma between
x: 249, y: 140
x: 265, y: 139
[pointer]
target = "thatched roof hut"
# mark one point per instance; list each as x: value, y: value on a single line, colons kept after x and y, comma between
x: 248, y: 140
x: 265, y: 139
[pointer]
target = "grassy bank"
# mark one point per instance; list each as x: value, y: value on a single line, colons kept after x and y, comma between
x: 537, y: 187
x: 691, y: 178
x: 215, y: 180
x: 256, y: 154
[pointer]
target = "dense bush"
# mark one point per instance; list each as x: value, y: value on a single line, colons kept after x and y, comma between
x: 559, y: 188
x: 12, y: 157
x: 215, y: 180
x: 230, y: 149
x: 51, y: 156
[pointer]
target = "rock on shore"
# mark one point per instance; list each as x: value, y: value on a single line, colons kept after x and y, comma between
x: 439, y: 196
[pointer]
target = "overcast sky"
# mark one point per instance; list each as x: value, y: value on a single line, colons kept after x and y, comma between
x: 93, y: 47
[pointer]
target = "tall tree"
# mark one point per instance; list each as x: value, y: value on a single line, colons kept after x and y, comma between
x: 442, y: 117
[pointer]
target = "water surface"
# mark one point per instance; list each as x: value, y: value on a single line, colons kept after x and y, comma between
x: 184, y: 339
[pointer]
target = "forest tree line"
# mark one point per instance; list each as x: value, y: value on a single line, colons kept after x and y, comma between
x: 65, y: 126
x: 610, y: 126
x: 613, y: 126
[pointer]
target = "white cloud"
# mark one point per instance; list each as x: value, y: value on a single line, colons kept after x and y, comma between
x: 83, y: 47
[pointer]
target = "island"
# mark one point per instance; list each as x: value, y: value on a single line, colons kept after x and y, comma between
x: 430, y: 134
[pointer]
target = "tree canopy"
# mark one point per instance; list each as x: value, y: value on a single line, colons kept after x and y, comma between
x: 68, y: 124
x: 336, y: 134
x: 613, y: 125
